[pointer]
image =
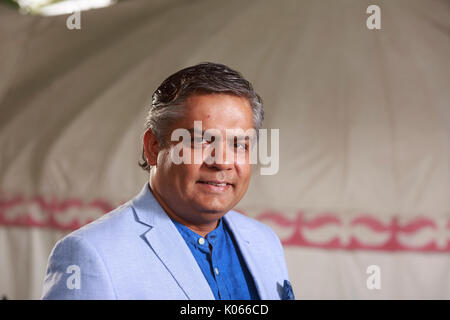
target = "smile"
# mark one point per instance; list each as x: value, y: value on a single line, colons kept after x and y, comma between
x: 215, y: 185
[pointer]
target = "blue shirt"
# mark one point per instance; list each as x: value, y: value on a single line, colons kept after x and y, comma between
x: 221, y: 262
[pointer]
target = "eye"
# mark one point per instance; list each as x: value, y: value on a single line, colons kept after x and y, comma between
x: 199, y: 140
x: 241, y: 146
x: 196, y: 141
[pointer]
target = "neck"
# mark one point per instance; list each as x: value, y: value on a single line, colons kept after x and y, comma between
x: 200, y: 228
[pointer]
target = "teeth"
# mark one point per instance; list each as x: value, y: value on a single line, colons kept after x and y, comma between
x: 217, y: 184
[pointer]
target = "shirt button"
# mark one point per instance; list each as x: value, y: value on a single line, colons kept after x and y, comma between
x: 216, y: 270
x: 201, y: 240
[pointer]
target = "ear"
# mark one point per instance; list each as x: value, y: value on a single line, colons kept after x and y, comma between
x: 151, y: 147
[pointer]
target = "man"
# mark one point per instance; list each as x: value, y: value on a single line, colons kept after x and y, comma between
x: 179, y: 237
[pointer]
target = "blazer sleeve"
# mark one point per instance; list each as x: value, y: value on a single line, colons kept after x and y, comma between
x: 76, y: 271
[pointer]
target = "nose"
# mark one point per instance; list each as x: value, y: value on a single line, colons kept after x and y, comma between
x: 219, y: 155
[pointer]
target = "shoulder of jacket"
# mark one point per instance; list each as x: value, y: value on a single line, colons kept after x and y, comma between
x: 110, y: 223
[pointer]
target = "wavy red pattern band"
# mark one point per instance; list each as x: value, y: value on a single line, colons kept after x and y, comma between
x: 324, y: 230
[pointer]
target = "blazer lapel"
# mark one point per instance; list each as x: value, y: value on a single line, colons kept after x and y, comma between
x: 253, y: 265
x: 170, y: 247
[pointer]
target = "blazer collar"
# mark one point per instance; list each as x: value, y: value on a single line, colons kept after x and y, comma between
x: 146, y: 206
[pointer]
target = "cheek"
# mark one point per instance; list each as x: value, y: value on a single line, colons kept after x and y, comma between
x: 185, y: 175
x: 170, y: 173
x: 163, y: 161
x: 244, y: 172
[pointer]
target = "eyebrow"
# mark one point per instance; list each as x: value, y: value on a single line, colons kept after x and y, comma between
x: 193, y: 131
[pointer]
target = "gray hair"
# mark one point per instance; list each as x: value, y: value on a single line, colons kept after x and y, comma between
x: 168, y: 100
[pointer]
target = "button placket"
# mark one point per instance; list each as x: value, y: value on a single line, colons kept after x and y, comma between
x: 213, y: 259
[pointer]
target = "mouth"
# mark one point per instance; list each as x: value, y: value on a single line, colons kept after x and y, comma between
x: 214, y: 185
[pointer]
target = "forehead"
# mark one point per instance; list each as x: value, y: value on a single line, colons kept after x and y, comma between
x: 220, y: 111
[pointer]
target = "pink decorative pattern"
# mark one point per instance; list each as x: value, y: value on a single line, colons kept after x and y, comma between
x: 50, y: 213
x: 419, y: 234
x: 325, y: 230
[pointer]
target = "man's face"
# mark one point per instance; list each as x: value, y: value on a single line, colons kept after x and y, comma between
x: 184, y: 187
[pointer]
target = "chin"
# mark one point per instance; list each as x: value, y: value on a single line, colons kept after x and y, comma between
x: 214, y: 209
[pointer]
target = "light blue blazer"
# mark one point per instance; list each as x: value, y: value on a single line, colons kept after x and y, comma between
x: 136, y: 252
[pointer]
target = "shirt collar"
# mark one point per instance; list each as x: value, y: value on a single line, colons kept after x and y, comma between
x: 214, y: 237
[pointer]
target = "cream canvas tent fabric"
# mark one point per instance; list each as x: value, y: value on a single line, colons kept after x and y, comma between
x: 364, y: 120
